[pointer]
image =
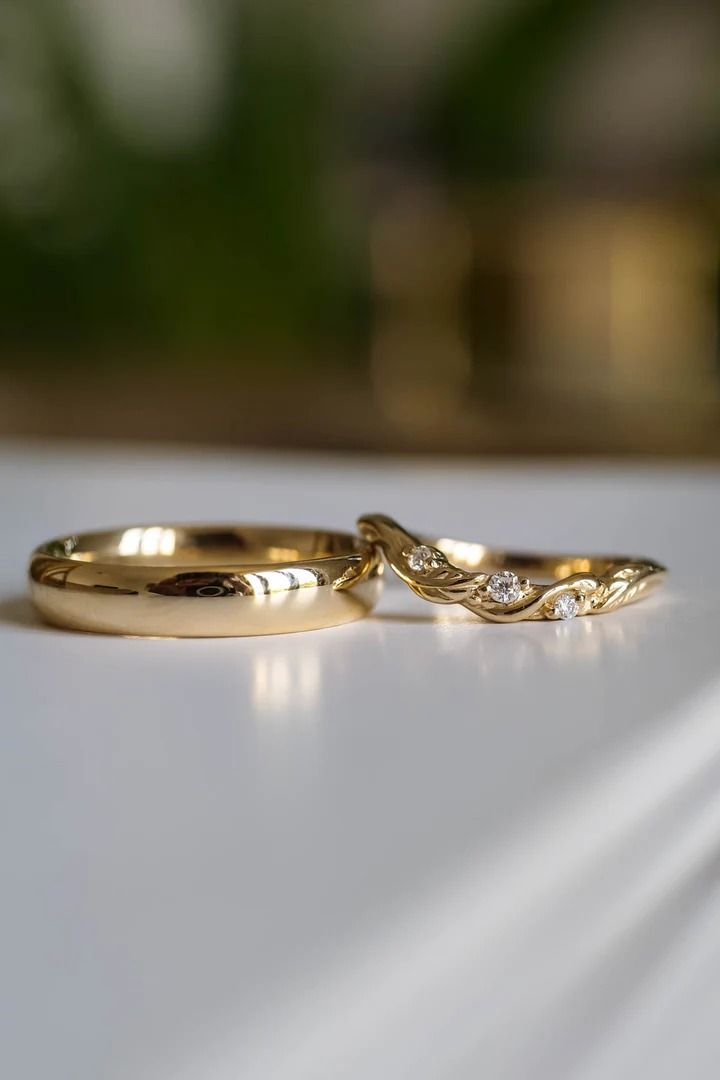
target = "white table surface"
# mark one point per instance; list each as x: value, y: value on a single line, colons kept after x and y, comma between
x: 417, y: 846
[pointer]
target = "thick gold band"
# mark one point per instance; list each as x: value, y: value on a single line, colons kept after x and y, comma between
x: 205, y: 581
x: 492, y: 583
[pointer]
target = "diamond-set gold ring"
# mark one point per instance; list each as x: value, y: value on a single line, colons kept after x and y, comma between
x: 497, y: 585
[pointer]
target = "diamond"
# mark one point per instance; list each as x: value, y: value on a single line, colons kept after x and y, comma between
x: 504, y: 587
x: 566, y: 606
x: 423, y: 558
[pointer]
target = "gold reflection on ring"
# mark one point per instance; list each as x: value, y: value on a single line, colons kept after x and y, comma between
x: 286, y: 681
x: 153, y: 540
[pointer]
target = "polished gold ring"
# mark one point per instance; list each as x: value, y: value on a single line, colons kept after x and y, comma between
x: 494, y: 584
x: 205, y: 580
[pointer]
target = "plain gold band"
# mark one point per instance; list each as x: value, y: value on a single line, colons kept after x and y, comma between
x: 205, y: 580
x: 448, y: 571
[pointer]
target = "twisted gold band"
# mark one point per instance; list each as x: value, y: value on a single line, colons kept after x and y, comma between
x: 205, y: 581
x: 491, y: 583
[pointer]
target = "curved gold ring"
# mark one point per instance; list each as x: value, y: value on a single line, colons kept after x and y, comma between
x: 205, y: 580
x: 492, y: 583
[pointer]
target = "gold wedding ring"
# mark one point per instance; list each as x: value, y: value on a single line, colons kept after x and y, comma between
x: 496, y: 585
x: 205, y: 580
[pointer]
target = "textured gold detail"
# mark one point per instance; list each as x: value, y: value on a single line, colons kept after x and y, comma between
x: 598, y: 583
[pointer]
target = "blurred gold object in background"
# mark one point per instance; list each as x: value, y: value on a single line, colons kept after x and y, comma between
x: 461, y: 227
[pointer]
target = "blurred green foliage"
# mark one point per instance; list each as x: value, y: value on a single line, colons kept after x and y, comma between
x: 481, y: 111
x: 230, y: 241
x: 251, y: 239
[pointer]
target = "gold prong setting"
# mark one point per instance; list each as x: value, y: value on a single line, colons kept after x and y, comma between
x: 504, y: 587
x: 422, y: 558
x: 566, y: 606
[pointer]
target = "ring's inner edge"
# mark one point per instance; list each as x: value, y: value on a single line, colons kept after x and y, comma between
x: 171, y: 545
x: 481, y: 559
